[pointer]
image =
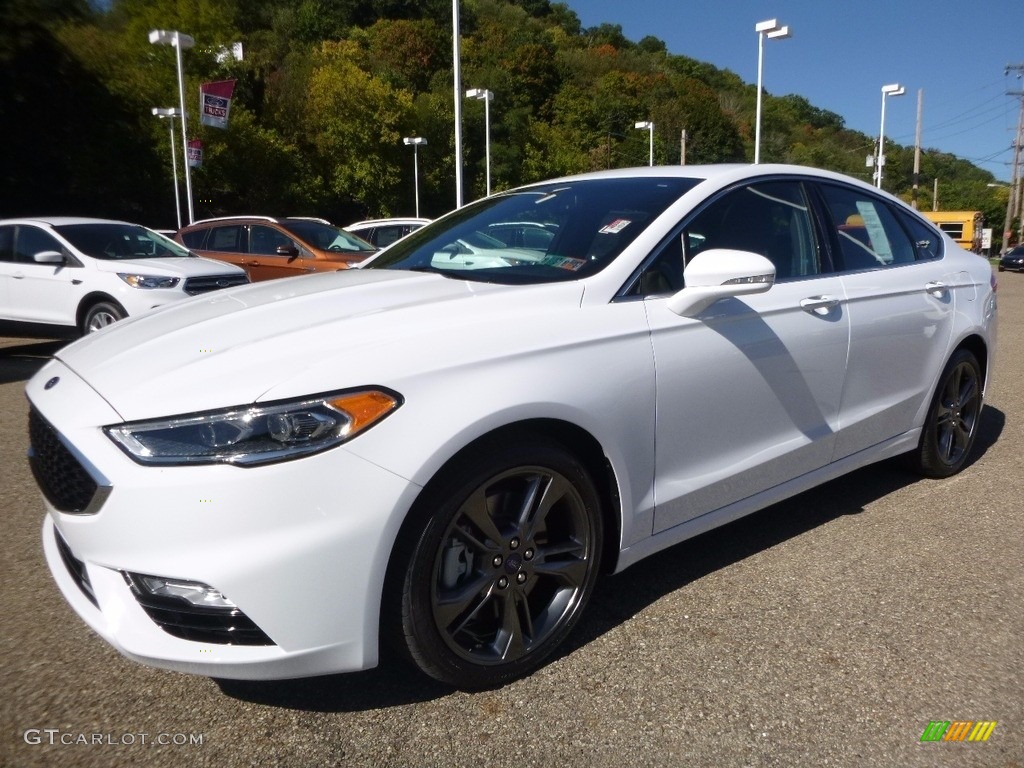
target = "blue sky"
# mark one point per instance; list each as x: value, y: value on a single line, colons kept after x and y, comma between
x: 841, y: 54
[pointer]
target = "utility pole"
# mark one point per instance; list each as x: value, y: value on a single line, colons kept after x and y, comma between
x: 1015, y: 175
x: 917, y: 148
x: 682, y: 147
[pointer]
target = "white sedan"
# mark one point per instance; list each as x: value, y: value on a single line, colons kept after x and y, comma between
x: 271, y: 481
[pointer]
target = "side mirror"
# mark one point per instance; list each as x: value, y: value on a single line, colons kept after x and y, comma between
x: 48, y: 257
x: 721, y: 273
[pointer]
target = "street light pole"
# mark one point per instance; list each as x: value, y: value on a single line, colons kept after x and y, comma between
x: 415, y: 142
x: 485, y: 96
x: 772, y: 31
x: 895, y: 89
x: 179, y: 41
x: 170, y: 113
x: 649, y: 126
x: 457, y: 78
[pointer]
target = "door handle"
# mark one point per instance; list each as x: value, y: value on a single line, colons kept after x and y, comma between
x: 819, y: 305
x: 937, y: 288
x: 18, y: 275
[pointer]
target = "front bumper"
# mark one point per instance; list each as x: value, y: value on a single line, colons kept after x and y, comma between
x: 301, y: 548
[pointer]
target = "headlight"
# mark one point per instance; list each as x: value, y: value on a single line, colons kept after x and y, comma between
x: 258, y: 434
x: 149, y: 281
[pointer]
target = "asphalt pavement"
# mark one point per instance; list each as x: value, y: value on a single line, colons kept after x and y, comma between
x: 828, y: 630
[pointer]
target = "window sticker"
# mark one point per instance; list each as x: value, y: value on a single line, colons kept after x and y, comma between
x: 563, y: 262
x: 876, y: 231
x: 614, y: 227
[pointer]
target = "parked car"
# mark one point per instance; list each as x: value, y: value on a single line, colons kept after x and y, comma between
x: 1013, y: 260
x: 284, y: 247
x: 63, y: 276
x: 383, y: 232
x: 444, y: 458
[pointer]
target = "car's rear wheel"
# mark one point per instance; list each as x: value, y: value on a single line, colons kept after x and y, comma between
x: 100, y: 315
x: 497, y: 564
x: 952, y: 422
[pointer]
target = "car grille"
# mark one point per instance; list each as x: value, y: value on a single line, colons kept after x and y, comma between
x: 76, y: 568
x: 219, y: 626
x: 196, y: 285
x: 63, y: 480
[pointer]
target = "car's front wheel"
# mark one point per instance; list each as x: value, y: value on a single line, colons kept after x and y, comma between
x: 952, y: 422
x: 497, y: 563
x: 100, y: 315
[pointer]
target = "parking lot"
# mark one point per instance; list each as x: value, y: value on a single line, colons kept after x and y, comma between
x: 827, y: 630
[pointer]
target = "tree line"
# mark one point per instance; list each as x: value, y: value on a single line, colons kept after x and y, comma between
x: 327, y: 89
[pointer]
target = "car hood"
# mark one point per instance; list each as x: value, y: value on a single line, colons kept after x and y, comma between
x: 176, y: 266
x: 297, y: 336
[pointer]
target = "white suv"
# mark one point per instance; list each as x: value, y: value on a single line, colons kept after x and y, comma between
x: 63, y: 276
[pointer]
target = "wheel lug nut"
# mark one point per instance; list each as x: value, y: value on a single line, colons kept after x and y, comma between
x: 520, y: 577
x: 514, y: 544
x: 502, y: 582
x: 528, y: 554
x: 496, y: 561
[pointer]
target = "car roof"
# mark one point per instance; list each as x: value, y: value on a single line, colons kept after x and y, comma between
x: 60, y: 221
x: 377, y: 222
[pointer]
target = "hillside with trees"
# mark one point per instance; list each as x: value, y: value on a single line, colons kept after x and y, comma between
x: 327, y: 89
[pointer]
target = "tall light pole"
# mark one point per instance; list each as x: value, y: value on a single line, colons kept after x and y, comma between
x: 457, y: 78
x: 486, y: 97
x: 415, y: 142
x: 649, y: 127
x: 169, y: 113
x: 895, y: 89
x: 772, y: 31
x: 179, y: 41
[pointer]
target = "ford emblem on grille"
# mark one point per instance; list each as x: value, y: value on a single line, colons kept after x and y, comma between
x: 52, y: 383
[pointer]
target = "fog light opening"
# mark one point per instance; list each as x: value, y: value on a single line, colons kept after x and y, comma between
x: 194, y: 593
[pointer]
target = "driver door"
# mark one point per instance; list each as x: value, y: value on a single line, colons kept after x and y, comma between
x: 273, y: 254
x: 748, y: 391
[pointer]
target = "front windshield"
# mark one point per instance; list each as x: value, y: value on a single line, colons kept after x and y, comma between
x: 114, y: 240
x: 326, y: 237
x: 562, y: 230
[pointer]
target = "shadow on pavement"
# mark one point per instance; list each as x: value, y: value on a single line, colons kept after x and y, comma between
x: 620, y: 597
x: 21, y: 360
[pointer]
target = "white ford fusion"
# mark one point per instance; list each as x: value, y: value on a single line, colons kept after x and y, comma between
x: 271, y: 481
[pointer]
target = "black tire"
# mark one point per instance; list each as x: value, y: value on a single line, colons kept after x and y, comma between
x: 100, y: 315
x: 952, y: 422
x: 496, y: 564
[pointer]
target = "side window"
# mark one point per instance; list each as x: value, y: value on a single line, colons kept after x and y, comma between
x: 227, y: 239
x: 195, y: 238
x: 926, y: 241
x: 771, y: 218
x: 266, y: 240
x: 664, y: 275
x: 867, y: 231
x: 6, y: 243
x: 31, y: 241
x: 383, y: 236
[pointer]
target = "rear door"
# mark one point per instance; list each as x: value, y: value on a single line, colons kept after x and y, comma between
x: 901, y: 298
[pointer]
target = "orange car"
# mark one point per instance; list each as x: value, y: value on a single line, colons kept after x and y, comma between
x: 268, y: 247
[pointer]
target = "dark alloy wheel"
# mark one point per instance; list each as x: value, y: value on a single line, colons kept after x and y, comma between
x: 952, y: 421
x: 501, y: 569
